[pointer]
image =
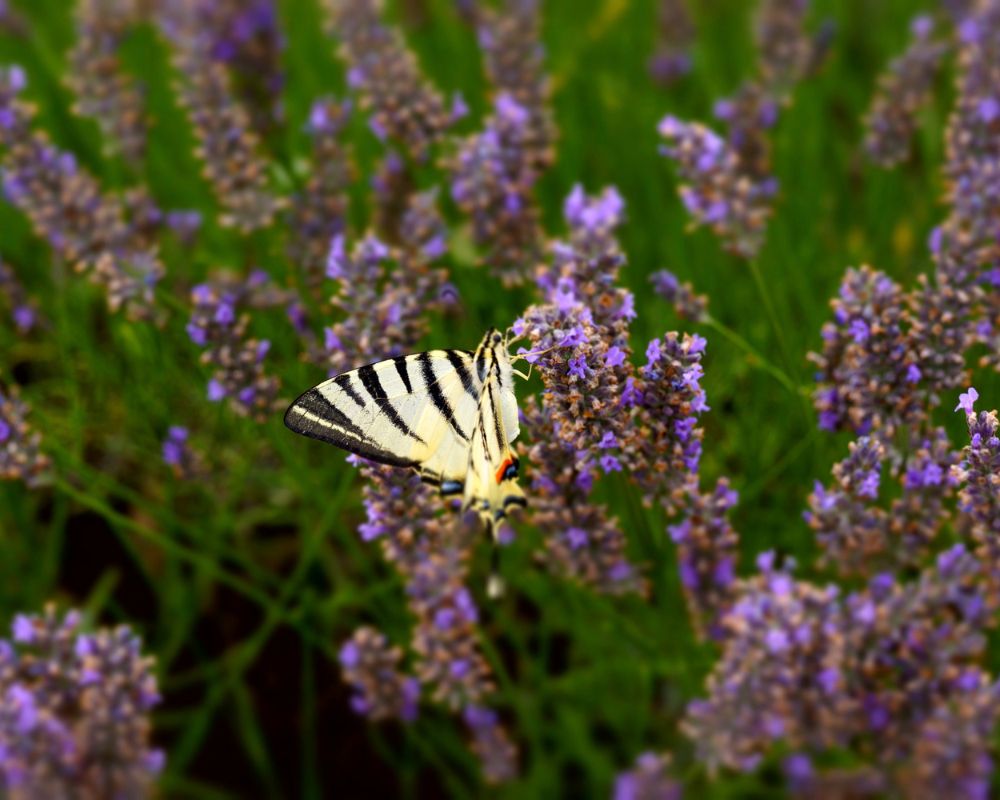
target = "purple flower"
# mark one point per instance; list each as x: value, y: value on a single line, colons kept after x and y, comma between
x: 208, y: 45
x: 647, y: 780
x: 216, y: 391
x: 967, y: 401
x: 404, y: 106
x: 370, y: 665
x: 20, y: 453
x: 75, y: 714
x: 610, y: 463
x: 903, y: 91
x: 104, y: 91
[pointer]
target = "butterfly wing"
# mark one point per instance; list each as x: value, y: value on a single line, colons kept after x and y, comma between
x: 414, y: 411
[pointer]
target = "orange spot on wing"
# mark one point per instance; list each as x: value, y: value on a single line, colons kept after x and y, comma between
x: 503, y: 468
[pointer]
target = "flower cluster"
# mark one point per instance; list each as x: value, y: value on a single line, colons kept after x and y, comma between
x: 23, y: 310
x: 649, y: 779
x: 714, y: 189
x: 912, y: 649
x: 849, y: 528
x: 979, y: 474
x: 668, y: 396
x: 20, y: 455
x: 856, y: 535
x: 966, y: 246
x: 671, y: 60
x: 579, y: 341
x: 319, y: 211
x: 404, y: 107
x: 228, y: 146
x: 244, y: 36
x: 688, y: 304
x: 581, y: 332
x: 493, y: 179
x: 491, y: 742
x: 707, y: 552
x: 431, y: 553
x: 726, y: 183
x: 74, y: 716
x: 780, y: 674
x: 371, y: 666
x: 902, y: 92
x: 598, y: 412
x: 394, y: 298
x: 104, y: 92
x: 876, y: 372
x: 219, y: 323
x: 785, y: 51
x: 84, y: 226
x: 509, y: 38
x: 881, y: 670
x: 186, y: 462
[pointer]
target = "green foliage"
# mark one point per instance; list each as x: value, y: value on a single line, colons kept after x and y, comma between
x: 244, y: 584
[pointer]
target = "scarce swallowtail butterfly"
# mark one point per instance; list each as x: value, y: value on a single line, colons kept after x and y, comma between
x: 450, y: 415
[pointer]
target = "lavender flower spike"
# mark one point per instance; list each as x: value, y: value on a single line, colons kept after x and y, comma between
x: 228, y: 145
x: 780, y: 676
x: 510, y: 40
x: 87, y: 228
x: 979, y: 496
x: 319, y: 212
x: 647, y: 780
x: 671, y: 59
x: 20, y: 455
x: 104, y: 91
x: 902, y: 92
x: 492, y: 743
x: 370, y: 665
x: 707, y: 552
x: 404, y: 106
x: 493, y: 177
x: 219, y: 323
x: 714, y: 188
x: 74, y: 710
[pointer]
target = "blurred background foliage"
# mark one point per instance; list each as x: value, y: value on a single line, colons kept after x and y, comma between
x: 244, y: 583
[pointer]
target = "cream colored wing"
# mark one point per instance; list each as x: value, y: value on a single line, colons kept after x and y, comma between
x: 414, y: 411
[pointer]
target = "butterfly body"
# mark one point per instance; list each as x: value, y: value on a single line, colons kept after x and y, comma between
x: 450, y: 415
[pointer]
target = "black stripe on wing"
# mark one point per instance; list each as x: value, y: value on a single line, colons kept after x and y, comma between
x: 345, y: 383
x: 437, y: 396
x: 403, y: 372
x: 497, y: 430
x: 369, y: 379
x: 314, y: 416
x: 468, y: 382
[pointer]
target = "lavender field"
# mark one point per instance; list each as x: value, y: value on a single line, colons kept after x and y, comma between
x: 751, y: 252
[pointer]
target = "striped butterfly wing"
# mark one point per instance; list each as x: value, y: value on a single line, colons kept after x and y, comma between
x: 414, y: 411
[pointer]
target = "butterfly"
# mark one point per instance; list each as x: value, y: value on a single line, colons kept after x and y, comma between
x: 450, y: 415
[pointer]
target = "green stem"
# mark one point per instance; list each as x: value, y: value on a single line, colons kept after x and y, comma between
x: 756, y: 358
